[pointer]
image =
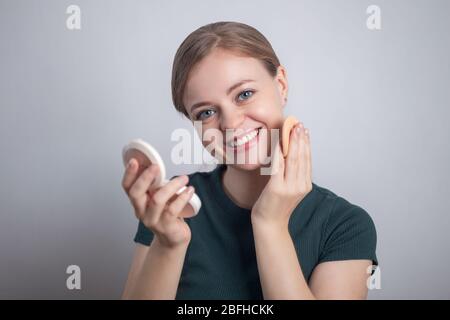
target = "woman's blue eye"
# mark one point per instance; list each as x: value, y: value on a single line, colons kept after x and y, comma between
x: 201, y: 115
x: 209, y: 112
x: 246, y: 96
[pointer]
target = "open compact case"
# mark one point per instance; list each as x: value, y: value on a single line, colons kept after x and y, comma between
x: 146, y: 155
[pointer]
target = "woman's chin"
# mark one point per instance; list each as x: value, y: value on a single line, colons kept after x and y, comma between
x: 246, y: 166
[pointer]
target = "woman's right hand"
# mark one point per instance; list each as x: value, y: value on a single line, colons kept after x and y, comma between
x: 158, y: 208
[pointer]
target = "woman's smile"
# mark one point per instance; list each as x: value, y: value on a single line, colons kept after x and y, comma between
x: 244, y: 141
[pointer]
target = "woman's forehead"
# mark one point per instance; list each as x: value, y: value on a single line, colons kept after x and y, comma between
x: 217, y: 73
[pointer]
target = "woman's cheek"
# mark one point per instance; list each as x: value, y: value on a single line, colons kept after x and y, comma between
x: 268, y: 113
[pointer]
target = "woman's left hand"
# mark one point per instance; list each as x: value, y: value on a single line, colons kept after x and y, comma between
x: 289, y: 184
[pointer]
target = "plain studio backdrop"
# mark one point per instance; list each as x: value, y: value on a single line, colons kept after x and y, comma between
x: 376, y: 103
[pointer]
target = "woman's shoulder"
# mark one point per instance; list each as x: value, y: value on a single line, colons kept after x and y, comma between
x: 348, y: 230
x: 332, y: 198
x: 339, y: 209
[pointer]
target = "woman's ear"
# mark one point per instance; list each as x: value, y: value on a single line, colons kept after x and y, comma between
x: 282, y: 82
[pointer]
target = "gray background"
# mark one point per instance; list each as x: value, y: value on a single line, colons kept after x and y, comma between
x: 376, y: 103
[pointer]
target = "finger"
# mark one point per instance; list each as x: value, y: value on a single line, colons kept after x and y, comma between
x: 164, y: 194
x: 277, y: 166
x: 292, y: 158
x: 175, y: 208
x: 160, y: 199
x: 138, y: 191
x: 303, y: 159
x: 129, y: 175
x: 281, y: 163
x: 308, y: 155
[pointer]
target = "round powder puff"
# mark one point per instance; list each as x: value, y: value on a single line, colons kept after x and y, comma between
x: 288, y: 124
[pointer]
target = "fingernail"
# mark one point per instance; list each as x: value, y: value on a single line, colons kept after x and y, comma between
x: 297, y: 131
x: 306, y: 131
x: 191, y: 189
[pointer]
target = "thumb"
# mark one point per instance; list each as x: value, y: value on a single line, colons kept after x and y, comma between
x: 277, y: 162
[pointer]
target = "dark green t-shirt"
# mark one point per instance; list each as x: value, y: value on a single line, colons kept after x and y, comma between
x: 220, y: 261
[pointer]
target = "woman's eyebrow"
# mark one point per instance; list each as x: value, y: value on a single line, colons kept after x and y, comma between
x: 234, y: 86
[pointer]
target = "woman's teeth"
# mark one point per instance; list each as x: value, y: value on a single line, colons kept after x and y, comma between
x: 248, y: 137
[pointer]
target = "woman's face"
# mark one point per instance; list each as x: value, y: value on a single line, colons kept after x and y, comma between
x: 233, y: 96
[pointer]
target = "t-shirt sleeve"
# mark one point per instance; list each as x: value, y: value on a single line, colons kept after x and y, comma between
x: 143, y: 235
x: 349, y: 234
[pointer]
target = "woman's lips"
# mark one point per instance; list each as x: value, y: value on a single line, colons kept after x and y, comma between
x: 247, y: 145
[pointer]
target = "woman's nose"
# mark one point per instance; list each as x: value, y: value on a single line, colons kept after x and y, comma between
x: 230, y: 119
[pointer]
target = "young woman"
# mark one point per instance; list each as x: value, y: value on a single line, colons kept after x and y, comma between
x: 257, y: 236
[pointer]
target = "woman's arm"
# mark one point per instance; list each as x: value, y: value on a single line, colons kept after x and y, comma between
x: 155, y: 272
x: 279, y: 270
x: 282, y: 278
x: 345, y: 279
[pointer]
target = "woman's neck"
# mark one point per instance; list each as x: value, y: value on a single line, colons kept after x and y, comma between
x: 242, y: 186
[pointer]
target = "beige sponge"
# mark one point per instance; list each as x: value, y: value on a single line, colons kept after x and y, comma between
x: 288, y: 124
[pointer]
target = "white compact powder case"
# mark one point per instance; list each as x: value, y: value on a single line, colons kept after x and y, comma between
x: 145, y: 154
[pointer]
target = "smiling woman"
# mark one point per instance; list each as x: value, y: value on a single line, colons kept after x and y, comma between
x: 256, y: 236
